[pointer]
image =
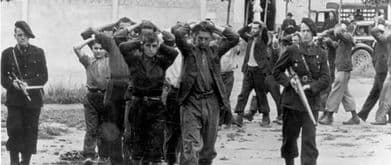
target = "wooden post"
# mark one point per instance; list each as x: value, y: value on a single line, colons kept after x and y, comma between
x: 340, y: 11
x: 228, y: 11
x: 286, y: 7
x: 257, y: 10
x: 203, y: 9
x: 309, y: 8
x: 114, y: 10
x: 26, y: 10
x: 389, y: 10
x: 265, y: 15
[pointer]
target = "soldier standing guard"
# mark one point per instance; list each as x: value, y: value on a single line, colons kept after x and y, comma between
x: 23, y: 74
x: 309, y: 61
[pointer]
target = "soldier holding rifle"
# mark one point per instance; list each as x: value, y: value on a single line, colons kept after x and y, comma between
x: 309, y: 62
x: 23, y: 74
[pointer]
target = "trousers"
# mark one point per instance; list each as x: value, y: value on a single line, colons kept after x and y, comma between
x: 340, y: 94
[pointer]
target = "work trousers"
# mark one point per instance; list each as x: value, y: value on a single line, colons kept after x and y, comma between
x: 94, y: 114
x: 228, y: 80
x: 254, y: 78
x: 199, y: 124
x: 115, y: 103
x: 385, y: 101
x: 22, y: 129
x: 293, y: 122
x: 147, y: 124
x: 173, y: 129
x: 373, y: 96
x: 340, y: 93
x: 273, y: 88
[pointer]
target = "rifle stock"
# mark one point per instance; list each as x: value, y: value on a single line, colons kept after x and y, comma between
x: 300, y: 91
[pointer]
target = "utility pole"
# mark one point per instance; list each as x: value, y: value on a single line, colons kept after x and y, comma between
x: 309, y: 8
x: 257, y: 9
x: 26, y: 10
x: 114, y: 10
x: 389, y: 10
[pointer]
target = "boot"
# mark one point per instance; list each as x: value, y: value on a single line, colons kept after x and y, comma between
x: 265, y: 120
x: 278, y: 120
x: 289, y: 161
x: 379, y: 123
x: 352, y: 121
x: 328, y: 119
x: 136, y: 162
x: 14, y: 157
x: 26, y: 157
x: 239, y: 120
x: 249, y: 116
x: 324, y: 114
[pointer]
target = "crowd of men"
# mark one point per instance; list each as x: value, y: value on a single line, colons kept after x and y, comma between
x: 159, y: 96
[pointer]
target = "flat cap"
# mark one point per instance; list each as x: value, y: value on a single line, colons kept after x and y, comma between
x: 25, y: 28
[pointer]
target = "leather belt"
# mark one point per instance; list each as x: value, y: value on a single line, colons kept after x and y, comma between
x: 147, y: 98
x: 204, y: 95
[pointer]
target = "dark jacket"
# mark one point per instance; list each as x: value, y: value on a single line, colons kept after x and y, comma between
x: 190, y: 69
x: 343, y: 59
x: 316, y: 60
x: 260, y: 50
x: 380, y: 55
x: 147, y: 74
x: 32, y: 64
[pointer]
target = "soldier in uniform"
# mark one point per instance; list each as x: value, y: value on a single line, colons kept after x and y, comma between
x: 309, y: 61
x: 147, y: 112
x: 201, y: 94
x: 23, y: 74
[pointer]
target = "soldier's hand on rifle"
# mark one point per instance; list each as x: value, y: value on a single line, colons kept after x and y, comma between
x: 293, y: 83
x: 20, y: 85
x: 306, y: 87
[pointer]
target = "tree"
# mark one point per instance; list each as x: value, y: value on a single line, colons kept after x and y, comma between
x: 375, y: 3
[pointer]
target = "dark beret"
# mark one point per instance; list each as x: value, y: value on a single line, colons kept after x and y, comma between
x: 311, y: 24
x: 25, y: 28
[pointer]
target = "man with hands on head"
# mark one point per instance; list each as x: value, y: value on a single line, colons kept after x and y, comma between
x: 201, y: 94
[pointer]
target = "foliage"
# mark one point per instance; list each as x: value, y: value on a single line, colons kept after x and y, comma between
x: 374, y: 2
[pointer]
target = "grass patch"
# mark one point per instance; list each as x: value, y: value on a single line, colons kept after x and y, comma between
x: 60, y: 94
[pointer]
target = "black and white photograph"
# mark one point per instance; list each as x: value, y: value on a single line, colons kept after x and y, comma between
x: 195, y: 82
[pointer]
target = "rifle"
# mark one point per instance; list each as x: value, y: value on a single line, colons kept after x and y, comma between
x: 24, y: 89
x: 300, y: 91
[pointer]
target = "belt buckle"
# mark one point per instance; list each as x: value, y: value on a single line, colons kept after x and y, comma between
x: 305, y: 79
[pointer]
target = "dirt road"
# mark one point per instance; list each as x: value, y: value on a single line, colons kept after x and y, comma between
x: 252, y: 145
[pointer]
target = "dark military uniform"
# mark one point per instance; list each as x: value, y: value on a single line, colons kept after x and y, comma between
x: 310, y: 63
x: 201, y: 96
x: 147, y: 113
x: 23, y: 115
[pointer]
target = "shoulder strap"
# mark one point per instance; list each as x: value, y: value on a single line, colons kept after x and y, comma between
x: 16, y: 62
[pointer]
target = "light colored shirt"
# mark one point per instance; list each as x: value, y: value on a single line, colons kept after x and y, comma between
x: 251, y: 60
x: 228, y: 62
x: 97, y: 70
x: 173, y: 72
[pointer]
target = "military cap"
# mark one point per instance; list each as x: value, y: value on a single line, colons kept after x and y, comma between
x: 311, y: 24
x: 25, y: 28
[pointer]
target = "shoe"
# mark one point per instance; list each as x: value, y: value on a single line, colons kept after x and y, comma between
x: 379, y: 123
x: 102, y: 161
x: 278, y: 120
x: 327, y: 120
x: 323, y: 116
x: 265, y: 121
x: 249, y: 116
x: 352, y: 121
x: 88, y: 161
x: 239, y: 120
